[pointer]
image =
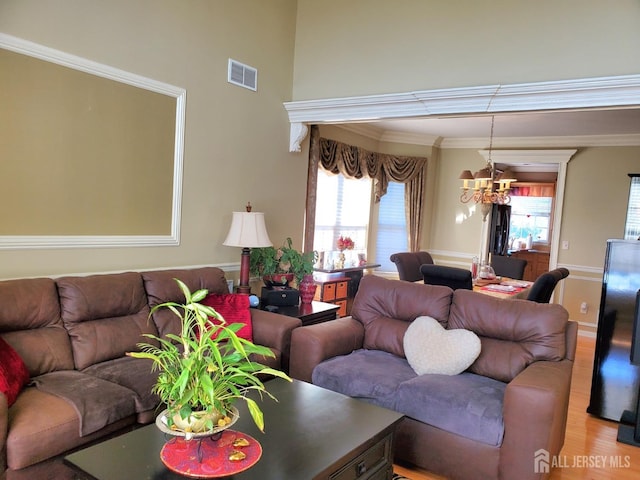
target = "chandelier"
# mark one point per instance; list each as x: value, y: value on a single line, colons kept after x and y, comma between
x: 488, y: 185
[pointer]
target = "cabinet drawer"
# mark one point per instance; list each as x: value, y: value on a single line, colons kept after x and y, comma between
x: 368, y: 465
x: 341, y: 289
x: 328, y: 292
x: 342, y: 311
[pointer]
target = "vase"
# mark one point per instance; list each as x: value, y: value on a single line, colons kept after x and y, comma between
x: 307, y: 289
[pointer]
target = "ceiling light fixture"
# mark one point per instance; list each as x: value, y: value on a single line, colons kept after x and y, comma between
x: 483, y: 190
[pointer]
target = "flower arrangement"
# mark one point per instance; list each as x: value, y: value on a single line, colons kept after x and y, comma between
x: 344, y: 243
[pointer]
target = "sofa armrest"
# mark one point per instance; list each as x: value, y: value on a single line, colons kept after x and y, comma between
x: 535, y: 416
x: 4, y: 426
x: 313, y: 344
x: 274, y: 331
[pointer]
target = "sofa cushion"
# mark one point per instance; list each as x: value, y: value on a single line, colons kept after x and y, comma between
x: 161, y: 287
x: 13, y: 372
x: 430, y: 348
x: 385, y: 308
x: 467, y: 404
x: 97, y: 402
x: 370, y: 375
x: 105, y: 315
x: 234, y: 308
x: 136, y: 374
x: 42, y: 425
x: 30, y: 321
x: 514, y: 333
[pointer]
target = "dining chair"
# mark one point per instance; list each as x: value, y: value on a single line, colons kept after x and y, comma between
x: 511, y: 267
x: 452, y: 277
x: 408, y: 264
x: 544, y: 285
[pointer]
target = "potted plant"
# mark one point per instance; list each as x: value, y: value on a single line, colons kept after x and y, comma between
x: 270, y: 262
x: 205, y: 369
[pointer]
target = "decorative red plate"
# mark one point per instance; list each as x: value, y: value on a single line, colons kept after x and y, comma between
x: 182, y: 456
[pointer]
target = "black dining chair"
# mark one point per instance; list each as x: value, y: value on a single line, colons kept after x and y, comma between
x: 511, y: 267
x: 543, y: 287
x: 452, y: 277
x: 408, y: 264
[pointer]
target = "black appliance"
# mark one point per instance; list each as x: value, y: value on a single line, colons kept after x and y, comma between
x: 629, y: 428
x: 280, y: 296
x: 616, y: 380
x: 499, y: 229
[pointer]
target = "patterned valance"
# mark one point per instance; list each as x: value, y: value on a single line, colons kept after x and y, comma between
x: 356, y: 162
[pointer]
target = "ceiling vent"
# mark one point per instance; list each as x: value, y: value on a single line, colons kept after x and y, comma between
x: 243, y: 75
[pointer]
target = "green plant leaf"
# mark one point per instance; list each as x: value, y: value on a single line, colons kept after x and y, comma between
x: 256, y: 413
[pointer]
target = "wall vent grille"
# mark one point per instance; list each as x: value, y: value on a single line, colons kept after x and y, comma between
x: 243, y: 75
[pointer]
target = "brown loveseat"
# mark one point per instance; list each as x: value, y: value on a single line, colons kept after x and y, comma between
x: 73, y: 332
x: 488, y: 422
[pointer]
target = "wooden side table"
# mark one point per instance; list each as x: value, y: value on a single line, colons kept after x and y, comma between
x: 310, y: 313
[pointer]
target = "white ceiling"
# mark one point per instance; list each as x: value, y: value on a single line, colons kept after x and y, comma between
x: 559, y: 128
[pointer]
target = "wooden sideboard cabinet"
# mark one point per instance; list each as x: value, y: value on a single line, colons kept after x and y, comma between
x: 537, y: 263
x: 334, y: 290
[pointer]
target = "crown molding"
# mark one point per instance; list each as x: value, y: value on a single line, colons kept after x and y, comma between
x: 602, y: 92
x: 530, y: 156
x: 574, y: 141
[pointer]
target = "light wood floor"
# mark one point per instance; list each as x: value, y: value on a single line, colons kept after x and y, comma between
x: 586, y: 436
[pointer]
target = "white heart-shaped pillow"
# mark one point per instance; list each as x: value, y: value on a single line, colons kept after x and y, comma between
x: 430, y: 348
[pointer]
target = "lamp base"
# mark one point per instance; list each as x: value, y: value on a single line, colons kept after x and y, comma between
x: 245, y: 259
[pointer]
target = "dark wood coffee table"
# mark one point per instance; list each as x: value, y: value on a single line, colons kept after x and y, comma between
x: 310, y: 433
x: 310, y: 313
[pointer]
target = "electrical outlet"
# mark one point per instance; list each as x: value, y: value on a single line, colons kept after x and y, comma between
x: 565, y: 244
x: 584, y: 308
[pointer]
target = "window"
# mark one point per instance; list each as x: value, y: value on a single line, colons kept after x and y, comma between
x: 392, y: 226
x: 632, y: 225
x: 343, y: 207
x: 530, y: 215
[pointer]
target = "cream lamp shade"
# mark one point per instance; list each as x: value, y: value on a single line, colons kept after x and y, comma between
x: 247, y: 230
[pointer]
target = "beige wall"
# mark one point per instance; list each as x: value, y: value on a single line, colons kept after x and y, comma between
x: 359, y: 47
x: 93, y: 156
x: 595, y: 203
x: 236, y: 140
x: 376, y: 46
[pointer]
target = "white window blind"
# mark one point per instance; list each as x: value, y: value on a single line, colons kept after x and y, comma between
x: 632, y: 225
x: 392, y: 226
x: 342, y: 208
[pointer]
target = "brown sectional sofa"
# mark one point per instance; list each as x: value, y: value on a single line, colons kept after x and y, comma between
x: 73, y: 333
x: 488, y: 422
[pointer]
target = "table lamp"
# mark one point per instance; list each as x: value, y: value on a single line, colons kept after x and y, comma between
x: 247, y: 231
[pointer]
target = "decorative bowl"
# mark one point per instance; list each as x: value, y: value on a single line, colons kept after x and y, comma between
x: 163, y: 424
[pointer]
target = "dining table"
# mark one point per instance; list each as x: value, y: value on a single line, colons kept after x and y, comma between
x: 503, y: 287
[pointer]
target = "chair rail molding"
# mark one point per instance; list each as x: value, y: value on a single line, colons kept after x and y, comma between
x: 600, y: 92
